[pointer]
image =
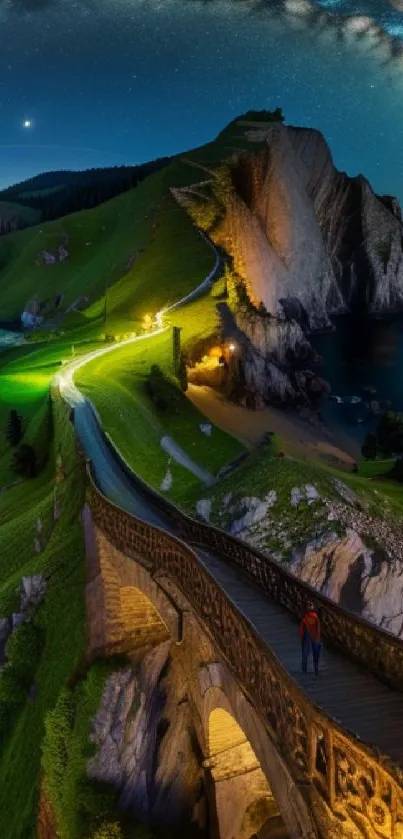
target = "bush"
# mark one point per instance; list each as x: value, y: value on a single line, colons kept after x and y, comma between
x: 369, y: 447
x: 24, y: 461
x: 108, y: 830
x: 24, y: 652
x: 219, y: 288
x: 390, y: 433
x: 163, y: 390
x: 14, y: 430
x: 40, y: 433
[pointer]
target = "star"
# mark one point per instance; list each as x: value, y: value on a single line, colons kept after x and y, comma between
x: 27, y: 123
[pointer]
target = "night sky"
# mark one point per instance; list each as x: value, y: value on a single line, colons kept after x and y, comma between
x: 104, y: 82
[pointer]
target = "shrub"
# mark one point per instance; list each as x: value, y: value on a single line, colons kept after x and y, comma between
x: 163, y: 390
x: 369, y: 447
x: 24, y: 461
x: 24, y: 653
x: 14, y: 430
x: 390, y: 433
x: 219, y: 288
x: 108, y: 830
x: 40, y: 433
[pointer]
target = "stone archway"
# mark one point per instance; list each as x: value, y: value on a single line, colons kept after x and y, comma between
x: 290, y: 799
x: 244, y: 801
x: 126, y: 608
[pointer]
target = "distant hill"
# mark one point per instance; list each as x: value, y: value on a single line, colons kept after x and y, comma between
x: 51, y: 195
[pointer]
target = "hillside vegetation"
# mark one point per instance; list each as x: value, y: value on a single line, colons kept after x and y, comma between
x: 127, y: 259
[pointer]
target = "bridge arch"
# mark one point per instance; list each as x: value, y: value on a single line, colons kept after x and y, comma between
x: 245, y: 768
x: 245, y: 802
x: 126, y: 608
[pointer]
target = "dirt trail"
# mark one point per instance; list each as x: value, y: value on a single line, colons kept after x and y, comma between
x: 300, y: 438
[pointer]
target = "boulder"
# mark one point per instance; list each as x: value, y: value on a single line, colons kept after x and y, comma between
x: 203, y: 509
x: 33, y: 590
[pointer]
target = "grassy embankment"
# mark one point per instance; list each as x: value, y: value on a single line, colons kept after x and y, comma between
x: 140, y: 251
x: 47, y: 694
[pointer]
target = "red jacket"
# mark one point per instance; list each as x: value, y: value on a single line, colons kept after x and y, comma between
x: 310, y: 623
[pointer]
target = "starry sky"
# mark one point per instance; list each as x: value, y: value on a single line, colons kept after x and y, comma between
x: 105, y: 82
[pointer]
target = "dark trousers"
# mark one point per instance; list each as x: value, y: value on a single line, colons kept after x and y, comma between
x: 308, y: 645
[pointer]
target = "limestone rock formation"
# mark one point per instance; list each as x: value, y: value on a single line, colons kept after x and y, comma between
x: 306, y: 241
x: 358, y: 564
x: 145, y: 742
x: 31, y: 316
x: 357, y: 577
x: 329, y: 240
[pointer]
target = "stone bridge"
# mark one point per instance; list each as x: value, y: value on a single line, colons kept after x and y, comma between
x: 282, y: 754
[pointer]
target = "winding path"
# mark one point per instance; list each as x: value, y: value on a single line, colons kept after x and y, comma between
x: 359, y: 701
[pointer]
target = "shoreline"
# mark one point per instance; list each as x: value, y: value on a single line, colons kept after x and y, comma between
x: 300, y: 437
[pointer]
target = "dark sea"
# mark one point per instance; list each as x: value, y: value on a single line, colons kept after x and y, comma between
x: 363, y: 363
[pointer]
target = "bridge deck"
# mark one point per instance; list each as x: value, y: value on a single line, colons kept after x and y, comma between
x: 345, y: 691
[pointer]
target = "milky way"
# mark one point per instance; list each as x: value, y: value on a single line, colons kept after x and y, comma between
x: 117, y: 81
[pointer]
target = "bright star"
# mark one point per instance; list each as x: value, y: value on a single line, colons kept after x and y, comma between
x: 27, y: 123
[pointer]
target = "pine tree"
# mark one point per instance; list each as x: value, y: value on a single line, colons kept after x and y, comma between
x: 369, y: 447
x: 14, y: 430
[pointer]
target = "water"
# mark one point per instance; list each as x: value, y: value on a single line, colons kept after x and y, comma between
x: 361, y: 353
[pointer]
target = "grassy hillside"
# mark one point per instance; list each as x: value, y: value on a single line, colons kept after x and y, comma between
x: 124, y: 248
x: 131, y: 257
x: 27, y: 214
x: 116, y: 383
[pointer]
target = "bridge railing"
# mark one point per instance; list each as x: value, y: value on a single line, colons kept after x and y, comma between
x: 378, y: 651
x: 351, y: 779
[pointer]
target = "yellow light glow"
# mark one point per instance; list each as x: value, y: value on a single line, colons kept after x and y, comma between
x: 148, y: 322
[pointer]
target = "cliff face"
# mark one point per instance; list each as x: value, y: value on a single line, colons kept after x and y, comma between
x: 306, y: 241
x: 298, y: 228
x: 146, y: 745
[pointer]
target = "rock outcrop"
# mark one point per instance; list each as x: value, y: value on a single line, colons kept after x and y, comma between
x: 146, y: 745
x: 350, y: 556
x: 328, y: 240
x: 306, y: 241
x: 31, y: 316
x: 32, y: 592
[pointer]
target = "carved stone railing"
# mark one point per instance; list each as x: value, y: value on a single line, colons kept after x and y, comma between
x: 378, y: 651
x: 350, y: 778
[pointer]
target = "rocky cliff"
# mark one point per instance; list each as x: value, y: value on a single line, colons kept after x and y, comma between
x: 146, y: 744
x: 327, y: 538
x: 305, y: 240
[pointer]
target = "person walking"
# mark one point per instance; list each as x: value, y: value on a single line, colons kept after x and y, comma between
x: 309, y: 631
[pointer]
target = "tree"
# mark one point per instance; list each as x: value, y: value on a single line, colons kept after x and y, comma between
x: 369, y: 447
x: 14, y: 430
x: 390, y: 433
x: 24, y: 461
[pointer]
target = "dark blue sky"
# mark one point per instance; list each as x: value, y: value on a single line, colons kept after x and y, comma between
x: 122, y: 81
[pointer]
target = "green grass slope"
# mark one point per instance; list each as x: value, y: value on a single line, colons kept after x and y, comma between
x: 124, y: 248
x: 116, y: 384
x: 27, y: 214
